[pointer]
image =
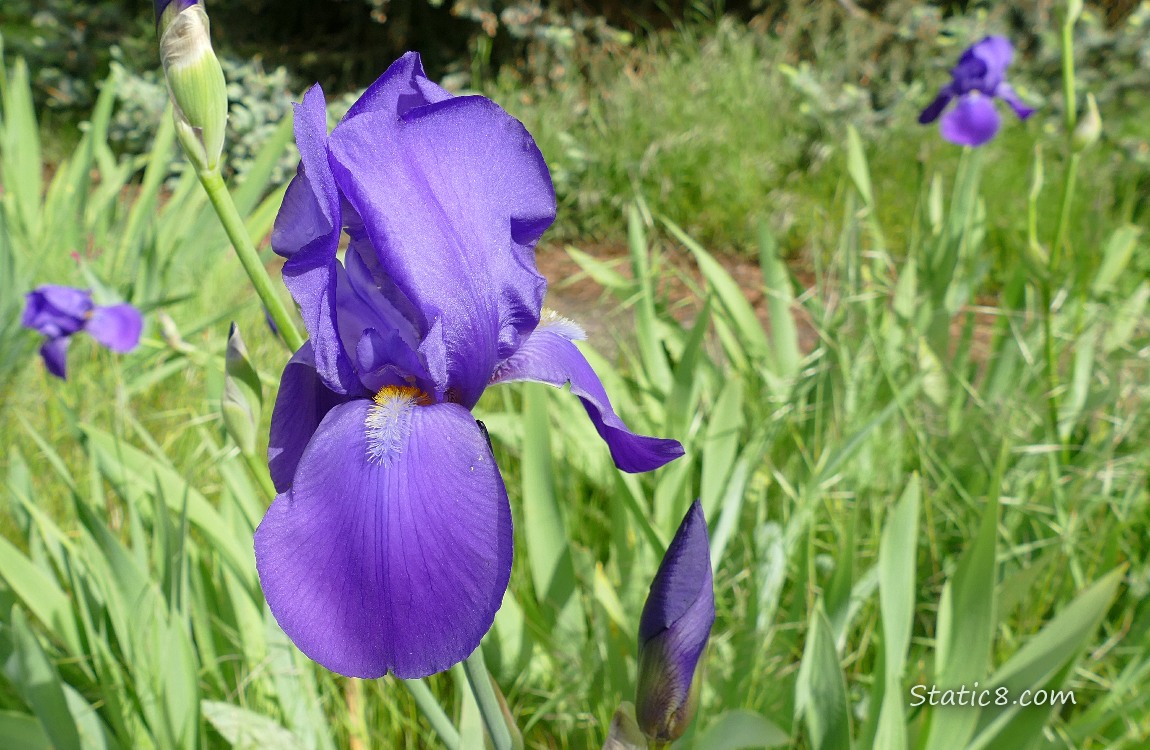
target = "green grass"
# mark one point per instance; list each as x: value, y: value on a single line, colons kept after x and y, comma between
x: 892, y: 506
x: 721, y: 126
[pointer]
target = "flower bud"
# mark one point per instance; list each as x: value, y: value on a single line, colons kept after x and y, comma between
x: 673, y: 632
x: 1089, y: 128
x: 195, y: 80
x: 1073, y: 11
x: 242, y: 400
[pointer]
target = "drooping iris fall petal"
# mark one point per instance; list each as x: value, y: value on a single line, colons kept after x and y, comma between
x: 392, y: 549
x: 116, y: 327
x: 550, y: 356
x: 972, y: 122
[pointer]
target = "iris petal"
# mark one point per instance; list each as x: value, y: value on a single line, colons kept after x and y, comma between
x: 402, y: 87
x: 935, y: 108
x: 549, y: 356
x: 996, y: 52
x: 307, y: 232
x: 54, y: 351
x: 1006, y: 93
x: 453, y: 195
x: 56, y: 310
x: 972, y: 122
x: 393, y: 548
x: 301, y: 404
x: 116, y: 327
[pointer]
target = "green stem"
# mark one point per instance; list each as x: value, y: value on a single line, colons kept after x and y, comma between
x: 489, y: 709
x: 1054, y: 276
x: 233, y: 224
x: 1070, y: 100
x: 259, y: 472
x: 1052, y: 386
x: 433, y: 712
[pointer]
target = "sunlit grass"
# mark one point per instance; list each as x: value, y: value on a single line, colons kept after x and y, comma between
x: 799, y: 456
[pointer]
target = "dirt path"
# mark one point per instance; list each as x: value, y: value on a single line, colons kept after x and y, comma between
x: 573, y: 294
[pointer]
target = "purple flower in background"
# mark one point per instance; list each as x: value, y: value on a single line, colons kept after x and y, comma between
x: 673, y: 632
x: 977, y: 80
x: 59, y: 311
x: 389, y: 546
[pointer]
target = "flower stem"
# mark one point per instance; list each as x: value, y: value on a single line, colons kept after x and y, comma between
x: 1070, y: 100
x: 233, y: 224
x: 1068, y: 180
x: 433, y: 712
x: 480, y: 681
x: 259, y: 471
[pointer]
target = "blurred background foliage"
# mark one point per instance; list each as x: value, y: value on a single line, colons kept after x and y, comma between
x: 652, y: 96
x: 810, y: 393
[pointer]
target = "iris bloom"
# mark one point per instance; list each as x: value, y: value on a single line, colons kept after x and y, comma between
x: 389, y: 546
x: 673, y: 632
x: 60, y: 311
x: 978, y: 79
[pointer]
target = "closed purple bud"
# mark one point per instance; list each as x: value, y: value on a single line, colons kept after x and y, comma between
x: 673, y: 632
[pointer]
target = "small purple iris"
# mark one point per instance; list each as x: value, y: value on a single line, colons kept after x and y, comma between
x: 59, y: 311
x: 673, y: 632
x: 977, y: 79
x: 389, y: 547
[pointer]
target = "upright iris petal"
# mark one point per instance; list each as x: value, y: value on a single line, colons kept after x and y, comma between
x: 60, y: 311
x: 673, y: 632
x: 977, y: 79
x: 388, y: 548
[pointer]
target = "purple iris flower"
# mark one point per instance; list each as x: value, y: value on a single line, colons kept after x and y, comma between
x: 977, y: 80
x: 59, y: 311
x: 389, y: 546
x: 673, y: 632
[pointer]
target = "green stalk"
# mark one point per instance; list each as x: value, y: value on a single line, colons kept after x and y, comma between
x: 480, y: 681
x: 233, y: 224
x: 1070, y: 177
x: 1070, y: 104
x: 1068, y: 93
x: 433, y: 712
x: 1052, y: 406
x: 259, y: 472
x: 1068, y: 180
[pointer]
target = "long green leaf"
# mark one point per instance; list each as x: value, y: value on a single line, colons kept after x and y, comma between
x: 40, y: 686
x: 821, y: 691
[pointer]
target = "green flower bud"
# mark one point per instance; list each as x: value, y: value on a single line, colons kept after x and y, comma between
x: 242, y: 401
x: 1089, y: 128
x: 195, y: 80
